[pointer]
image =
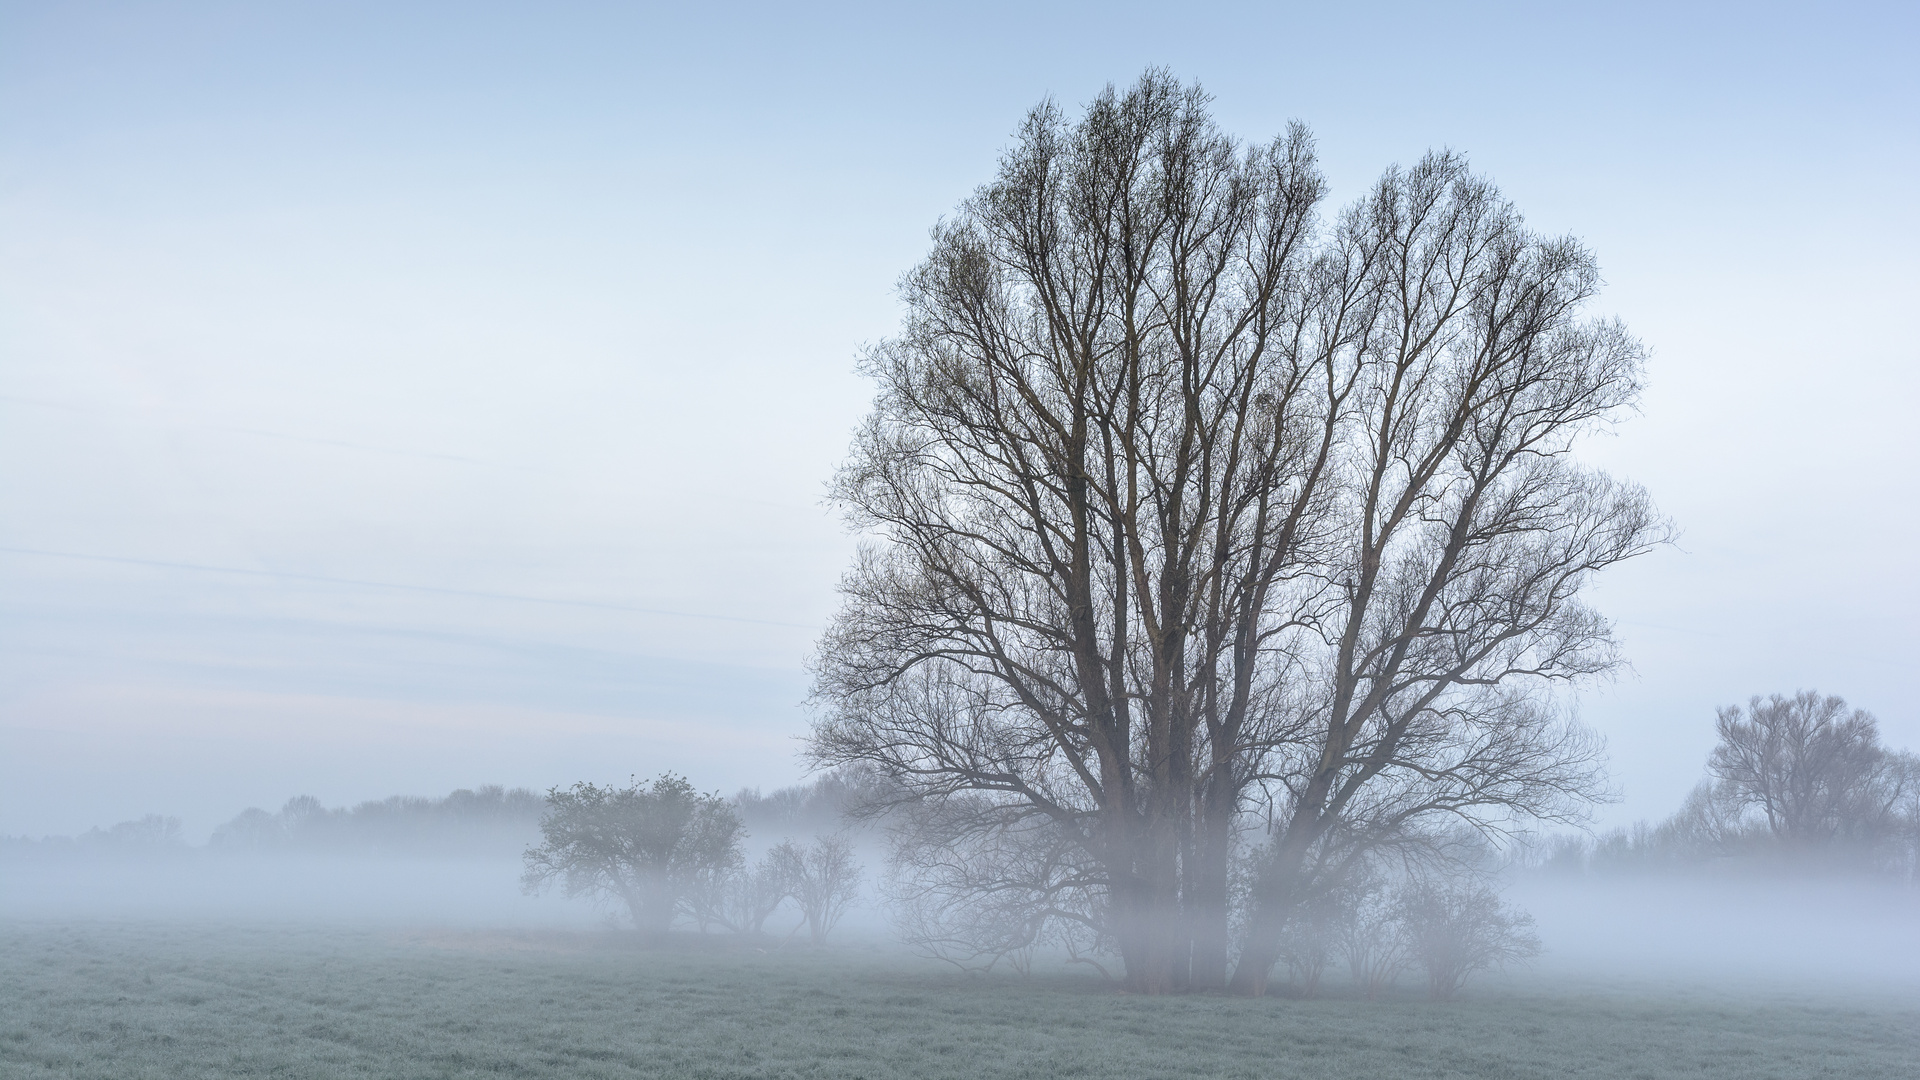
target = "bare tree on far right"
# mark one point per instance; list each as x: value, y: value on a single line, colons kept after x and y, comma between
x: 1813, y: 769
x: 1795, y: 783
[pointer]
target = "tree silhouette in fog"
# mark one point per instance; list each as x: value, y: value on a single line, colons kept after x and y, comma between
x: 1190, y: 511
x: 1814, y: 769
x: 645, y: 845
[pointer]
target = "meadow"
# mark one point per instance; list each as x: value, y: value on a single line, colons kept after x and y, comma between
x: 129, y: 1000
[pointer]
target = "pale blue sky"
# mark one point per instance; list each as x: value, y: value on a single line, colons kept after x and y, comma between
x: 560, y: 303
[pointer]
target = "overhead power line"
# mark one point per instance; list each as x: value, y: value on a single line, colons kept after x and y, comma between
x: 362, y: 583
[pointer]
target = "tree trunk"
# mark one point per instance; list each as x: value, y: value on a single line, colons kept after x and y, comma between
x: 1275, y: 892
x: 1208, y: 900
x: 1145, y: 914
x: 1258, y: 954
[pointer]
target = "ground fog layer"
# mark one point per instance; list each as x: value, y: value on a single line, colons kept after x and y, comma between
x: 153, y: 1000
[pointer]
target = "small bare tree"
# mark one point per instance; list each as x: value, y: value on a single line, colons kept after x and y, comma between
x: 822, y: 878
x: 706, y: 895
x: 656, y: 847
x: 974, y: 896
x: 1368, y: 933
x: 1453, y: 929
x: 1308, y: 943
x: 737, y: 898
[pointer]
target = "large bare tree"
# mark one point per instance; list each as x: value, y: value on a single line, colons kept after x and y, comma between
x: 1182, y: 512
x: 1463, y: 534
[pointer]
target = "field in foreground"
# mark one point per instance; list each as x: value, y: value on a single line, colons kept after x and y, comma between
x: 173, y: 1000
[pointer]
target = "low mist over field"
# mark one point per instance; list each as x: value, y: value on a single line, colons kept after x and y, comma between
x: 1624, y: 909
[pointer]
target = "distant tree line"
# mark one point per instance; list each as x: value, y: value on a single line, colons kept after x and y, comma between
x: 490, y: 820
x: 150, y: 835
x: 827, y: 803
x: 1794, y: 783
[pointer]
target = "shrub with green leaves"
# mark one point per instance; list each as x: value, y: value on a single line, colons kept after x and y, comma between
x: 646, y: 845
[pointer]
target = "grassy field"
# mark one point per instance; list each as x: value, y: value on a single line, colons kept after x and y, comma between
x: 156, y: 1000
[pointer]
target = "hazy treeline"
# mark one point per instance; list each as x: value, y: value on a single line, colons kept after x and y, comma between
x: 451, y: 859
x: 830, y: 802
x: 490, y: 820
x: 1799, y: 783
x: 149, y: 835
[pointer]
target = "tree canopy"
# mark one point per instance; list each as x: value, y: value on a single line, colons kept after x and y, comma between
x: 1206, y: 532
x: 646, y: 845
